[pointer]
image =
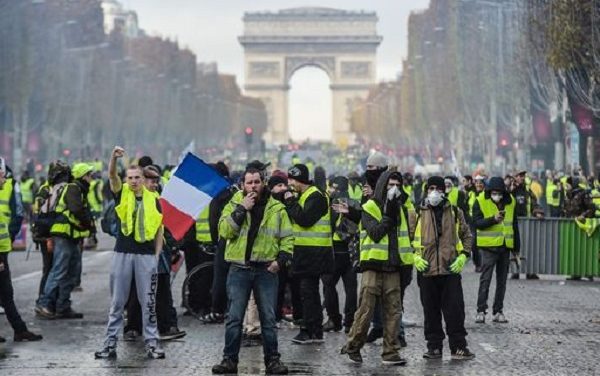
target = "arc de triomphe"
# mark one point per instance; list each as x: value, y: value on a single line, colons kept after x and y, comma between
x: 342, y: 43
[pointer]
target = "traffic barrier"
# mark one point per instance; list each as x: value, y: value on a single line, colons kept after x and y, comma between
x: 558, y: 246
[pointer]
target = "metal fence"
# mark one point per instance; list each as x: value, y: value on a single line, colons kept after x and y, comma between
x: 558, y: 246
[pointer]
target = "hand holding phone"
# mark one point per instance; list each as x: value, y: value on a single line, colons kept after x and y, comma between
x: 499, y: 217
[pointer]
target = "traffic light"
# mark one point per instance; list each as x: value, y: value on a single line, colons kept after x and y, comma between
x: 504, y: 139
x: 249, y: 132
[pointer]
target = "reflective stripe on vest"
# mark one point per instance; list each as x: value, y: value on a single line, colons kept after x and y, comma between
x: 373, y: 251
x: 319, y: 234
x: 275, y: 226
x: 5, y: 215
x: 203, y: 226
x: 501, y: 233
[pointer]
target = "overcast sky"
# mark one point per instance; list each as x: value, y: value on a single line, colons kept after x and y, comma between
x: 210, y: 29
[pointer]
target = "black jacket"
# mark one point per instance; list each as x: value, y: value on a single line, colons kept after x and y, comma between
x: 76, y: 202
x: 307, y: 259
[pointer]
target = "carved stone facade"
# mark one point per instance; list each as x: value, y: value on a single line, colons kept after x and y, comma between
x: 277, y: 44
x: 264, y: 69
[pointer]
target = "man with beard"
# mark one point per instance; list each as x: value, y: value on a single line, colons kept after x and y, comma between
x: 259, y: 240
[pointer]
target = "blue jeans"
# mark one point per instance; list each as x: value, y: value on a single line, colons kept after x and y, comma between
x: 66, y: 268
x: 240, y: 282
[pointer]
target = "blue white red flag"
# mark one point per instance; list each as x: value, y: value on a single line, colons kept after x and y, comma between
x: 190, y: 189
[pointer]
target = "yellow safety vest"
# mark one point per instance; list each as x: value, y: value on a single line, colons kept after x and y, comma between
x: 501, y: 233
x: 550, y: 189
x: 203, y: 227
x: 147, y: 218
x: 66, y: 224
x: 319, y: 234
x: 355, y: 192
x: 471, y: 202
x: 27, y: 191
x: 379, y: 251
x: 5, y: 215
x: 453, y: 196
x: 94, y: 199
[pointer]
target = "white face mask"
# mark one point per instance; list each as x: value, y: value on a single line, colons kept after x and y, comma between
x: 496, y: 197
x: 393, y: 193
x: 434, y: 198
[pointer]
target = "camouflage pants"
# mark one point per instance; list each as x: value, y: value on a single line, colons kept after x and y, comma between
x: 386, y: 287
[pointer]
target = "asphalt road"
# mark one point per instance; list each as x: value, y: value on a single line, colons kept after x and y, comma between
x: 554, y: 329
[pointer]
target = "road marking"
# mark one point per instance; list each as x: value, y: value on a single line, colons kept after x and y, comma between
x: 487, y: 347
x: 39, y: 272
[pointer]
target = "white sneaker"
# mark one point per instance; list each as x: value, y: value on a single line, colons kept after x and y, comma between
x: 499, y: 318
x: 480, y: 318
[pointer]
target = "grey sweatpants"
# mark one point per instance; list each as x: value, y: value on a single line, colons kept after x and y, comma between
x: 124, y: 267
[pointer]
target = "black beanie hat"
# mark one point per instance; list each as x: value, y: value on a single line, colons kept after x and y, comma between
x: 299, y: 172
x: 438, y: 181
x: 276, y: 179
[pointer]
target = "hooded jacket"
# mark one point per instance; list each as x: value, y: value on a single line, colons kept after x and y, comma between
x: 389, y: 224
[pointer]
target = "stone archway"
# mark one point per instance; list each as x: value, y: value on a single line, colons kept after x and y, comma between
x: 342, y: 43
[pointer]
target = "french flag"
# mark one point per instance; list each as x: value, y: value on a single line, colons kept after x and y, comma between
x: 190, y: 189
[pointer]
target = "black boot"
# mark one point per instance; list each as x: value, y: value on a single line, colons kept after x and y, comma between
x: 226, y: 366
x: 27, y: 336
x: 275, y: 367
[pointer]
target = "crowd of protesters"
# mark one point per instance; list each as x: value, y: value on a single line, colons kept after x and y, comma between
x: 274, y: 237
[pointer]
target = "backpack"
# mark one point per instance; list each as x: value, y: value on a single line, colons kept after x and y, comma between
x: 109, y: 222
x: 46, y: 215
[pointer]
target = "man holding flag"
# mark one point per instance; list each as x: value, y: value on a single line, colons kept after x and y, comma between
x: 259, y: 241
x: 139, y: 241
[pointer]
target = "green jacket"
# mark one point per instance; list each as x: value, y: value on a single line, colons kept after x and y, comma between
x: 275, y: 233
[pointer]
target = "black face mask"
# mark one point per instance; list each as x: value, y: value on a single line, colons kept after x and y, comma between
x: 278, y: 196
x: 372, y: 176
